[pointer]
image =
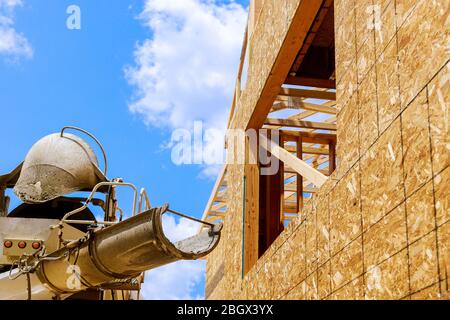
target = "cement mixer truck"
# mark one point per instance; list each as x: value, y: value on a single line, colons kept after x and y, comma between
x: 52, y: 245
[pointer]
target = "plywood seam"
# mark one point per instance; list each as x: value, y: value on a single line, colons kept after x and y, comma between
x: 373, y: 62
x: 425, y: 288
x: 404, y: 197
x: 433, y: 186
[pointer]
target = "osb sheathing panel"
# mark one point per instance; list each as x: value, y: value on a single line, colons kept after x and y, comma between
x: 347, y: 149
x: 423, y: 46
x: 347, y: 86
x: 364, y: 12
x: 439, y: 101
x: 382, y: 176
x: 345, y: 41
x: 385, y: 238
x: 404, y: 8
x: 384, y: 24
x: 441, y: 196
x: 310, y: 287
x: 311, y: 241
x: 388, y: 90
x: 345, y: 211
x: 366, y: 56
x: 347, y: 264
x: 297, y: 254
x: 430, y: 293
x: 342, y: 9
x: 297, y: 293
x: 389, y: 280
x: 420, y: 209
x: 280, y: 272
x: 352, y: 291
x: 416, y: 148
x: 324, y: 280
x: 388, y: 227
x: 423, y: 262
x: 323, y: 231
x: 444, y: 258
x: 368, y: 117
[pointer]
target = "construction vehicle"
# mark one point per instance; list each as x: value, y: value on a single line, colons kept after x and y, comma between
x: 52, y: 246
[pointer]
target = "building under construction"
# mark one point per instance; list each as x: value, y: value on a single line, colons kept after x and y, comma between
x: 359, y: 209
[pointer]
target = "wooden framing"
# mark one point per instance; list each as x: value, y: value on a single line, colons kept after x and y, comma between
x: 301, y: 167
x: 269, y: 202
x: 300, y: 124
x: 297, y: 33
x: 303, y: 93
x: 305, y: 106
x: 251, y: 210
x: 310, y: 38
x: 211, y: 212
x: 311, y: 82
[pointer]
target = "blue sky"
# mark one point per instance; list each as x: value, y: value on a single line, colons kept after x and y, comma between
x: 98, y: 78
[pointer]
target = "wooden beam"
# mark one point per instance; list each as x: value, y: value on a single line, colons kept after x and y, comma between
x: 251, y: 210
x: 305, y: 106
x: 311, y: 137
x: 292, y: 187
x: 218, y: 214
x: 219, y: 206
x: 300, y: 124
x: 301, y: 167
x: 332, y: 155
x: 302, y: 93
x: 310, y: 82
x: 222, y: 198
x: 301, y: 23
x: 311, y: 35
x: 325, y: 171
x: 214, y: 192
x: 318, y: 108
x: 308, y: 150
x: 300, y: 189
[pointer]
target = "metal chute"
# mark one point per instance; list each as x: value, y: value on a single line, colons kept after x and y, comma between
x: 121, y: 251
x: 55, y: 166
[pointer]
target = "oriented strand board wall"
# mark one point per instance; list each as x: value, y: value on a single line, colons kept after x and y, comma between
x: 380, y: 226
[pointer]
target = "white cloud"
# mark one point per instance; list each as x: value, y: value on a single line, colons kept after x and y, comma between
x: 180, y: 280
x: 176, y: 281
x: 178, y: 230
x: 186, y: 70
x: 12, y: 43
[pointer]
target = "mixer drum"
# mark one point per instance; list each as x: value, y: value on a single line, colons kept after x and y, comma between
x: 55, y: 166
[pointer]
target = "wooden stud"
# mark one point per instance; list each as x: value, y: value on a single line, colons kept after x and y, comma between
x: 299, y: 177
x: 301, y: 124
x: 310, y: 82
x: 302, y: 93
x: 298, y: 165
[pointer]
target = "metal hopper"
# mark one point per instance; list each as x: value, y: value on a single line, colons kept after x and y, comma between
x: 56, y: 165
